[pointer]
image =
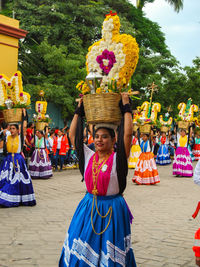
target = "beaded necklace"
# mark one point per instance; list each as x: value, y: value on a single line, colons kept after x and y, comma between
x: 96, y: 168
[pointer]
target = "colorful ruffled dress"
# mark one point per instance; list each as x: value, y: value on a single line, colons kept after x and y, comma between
x: 196, y: 148
x: 134, y: 153
x: 182, y: 164
x: 94, y: 240
x: 146, y: 170
x: 40, y: 165
x: 15, y: 182
x: 163, y: 155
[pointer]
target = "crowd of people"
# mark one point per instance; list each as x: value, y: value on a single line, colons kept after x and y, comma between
x: 103, y: 155
x: 180, y: 147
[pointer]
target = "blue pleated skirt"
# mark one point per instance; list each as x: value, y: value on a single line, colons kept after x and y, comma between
x: 83, y: 248
x: 163, y: 155
x: 15, y: 183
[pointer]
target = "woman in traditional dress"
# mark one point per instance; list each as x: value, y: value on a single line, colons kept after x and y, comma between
x: 15, y: 181
x: 196, y: 148
x: 40, y: 164
x: 163, y: 155
x: 182, y: 164
x: 135, y: 152
x: 146, y: 172
x: 99, y: 234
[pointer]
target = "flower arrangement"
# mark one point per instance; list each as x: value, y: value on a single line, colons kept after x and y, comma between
x: 11, y: 92
x: 115, y: 57
x: 41, y: 109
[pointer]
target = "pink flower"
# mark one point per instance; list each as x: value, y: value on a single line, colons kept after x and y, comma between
x: 9, y: 84
x: 110, y: 56
x: 21, y: 94
x: 16, y: 74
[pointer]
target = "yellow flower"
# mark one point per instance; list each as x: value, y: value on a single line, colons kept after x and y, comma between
x: 98, y: 90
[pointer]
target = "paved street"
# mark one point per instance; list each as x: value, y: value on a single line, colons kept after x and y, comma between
x: 162, y: 231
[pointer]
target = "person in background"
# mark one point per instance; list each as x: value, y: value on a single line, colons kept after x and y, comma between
x: 60, y: 148
x: 146, y: 172
x: 15, y: 182
x: 196, y: 148
x: 50, y: 146
x: 163, y: 155
x: 182, y: 164
x: 1, y: 145
x: 40, y: 165
x: 135, y: 151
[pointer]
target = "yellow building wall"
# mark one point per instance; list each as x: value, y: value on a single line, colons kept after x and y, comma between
x: 8, y: 48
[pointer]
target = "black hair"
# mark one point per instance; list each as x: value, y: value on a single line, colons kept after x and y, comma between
x: 4, y: 125
x: 52, y: 132
x: 15, y: 125
x: 110, y: 131
x: 41, y: 132
x: 29, y: 124
x: 146, y: 134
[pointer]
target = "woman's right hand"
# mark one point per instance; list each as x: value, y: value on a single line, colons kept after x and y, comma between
x: 80, y: 102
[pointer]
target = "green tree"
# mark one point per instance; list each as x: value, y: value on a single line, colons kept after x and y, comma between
x: 52, y: 56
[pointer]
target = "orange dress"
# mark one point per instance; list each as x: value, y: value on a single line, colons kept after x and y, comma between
x: 146, y: 170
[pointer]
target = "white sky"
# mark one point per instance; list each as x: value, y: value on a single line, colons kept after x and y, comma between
x: 182, y: 30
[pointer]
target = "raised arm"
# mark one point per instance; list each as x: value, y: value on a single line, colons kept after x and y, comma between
x: 72, y: 129
x: 128, y: 125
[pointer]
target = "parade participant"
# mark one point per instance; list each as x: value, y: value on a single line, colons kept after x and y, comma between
x: 60, y: 148
x: 1, y: 145
x: 50, y: 142
x: 135, y: 152
x: 182, y: 164
x: 146, y: 172
x: 29, y: 144
x: 40, y: 165
x: 15, y: 181
x: 196, y: 148
x: 163, y: 155
x: 155, y: 146
x: 196, y: 247
x: 94, y: 229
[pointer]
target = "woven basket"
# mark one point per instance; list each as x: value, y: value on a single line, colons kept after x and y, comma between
x: 146, y: 128
x: 40, y: 125
x: 164, y: 129
x: 13, y: 115
x: 102, y: 108
x: 183, y: 124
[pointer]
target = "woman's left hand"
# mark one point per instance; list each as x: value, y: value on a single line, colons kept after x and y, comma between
x: 125, y: 98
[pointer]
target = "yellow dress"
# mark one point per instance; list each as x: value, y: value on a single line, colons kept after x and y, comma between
x: 134, y: 153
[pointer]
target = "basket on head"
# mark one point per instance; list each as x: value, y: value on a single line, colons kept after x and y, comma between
x: 40, y: 125
x: 13, y: 115
x: 183, y: 125
x: 102, y: 108
x: 164, y: 129
x: 146, y: 128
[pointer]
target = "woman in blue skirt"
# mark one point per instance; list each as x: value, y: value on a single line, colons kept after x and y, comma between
x: 15, y: 181
x: 99, y: 233
x: 163, y: 155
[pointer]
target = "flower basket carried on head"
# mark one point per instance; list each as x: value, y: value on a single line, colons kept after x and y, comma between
x: 164, y: 129
x: 102, y: 108
x: 183, y: 125
x: 146, y: 128
x: 12, y: 115
x: 40, y: 125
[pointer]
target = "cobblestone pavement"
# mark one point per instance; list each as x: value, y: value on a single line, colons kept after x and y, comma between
x: 162, y: 231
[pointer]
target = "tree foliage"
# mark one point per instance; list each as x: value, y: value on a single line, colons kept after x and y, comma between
x: 52, y: 56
